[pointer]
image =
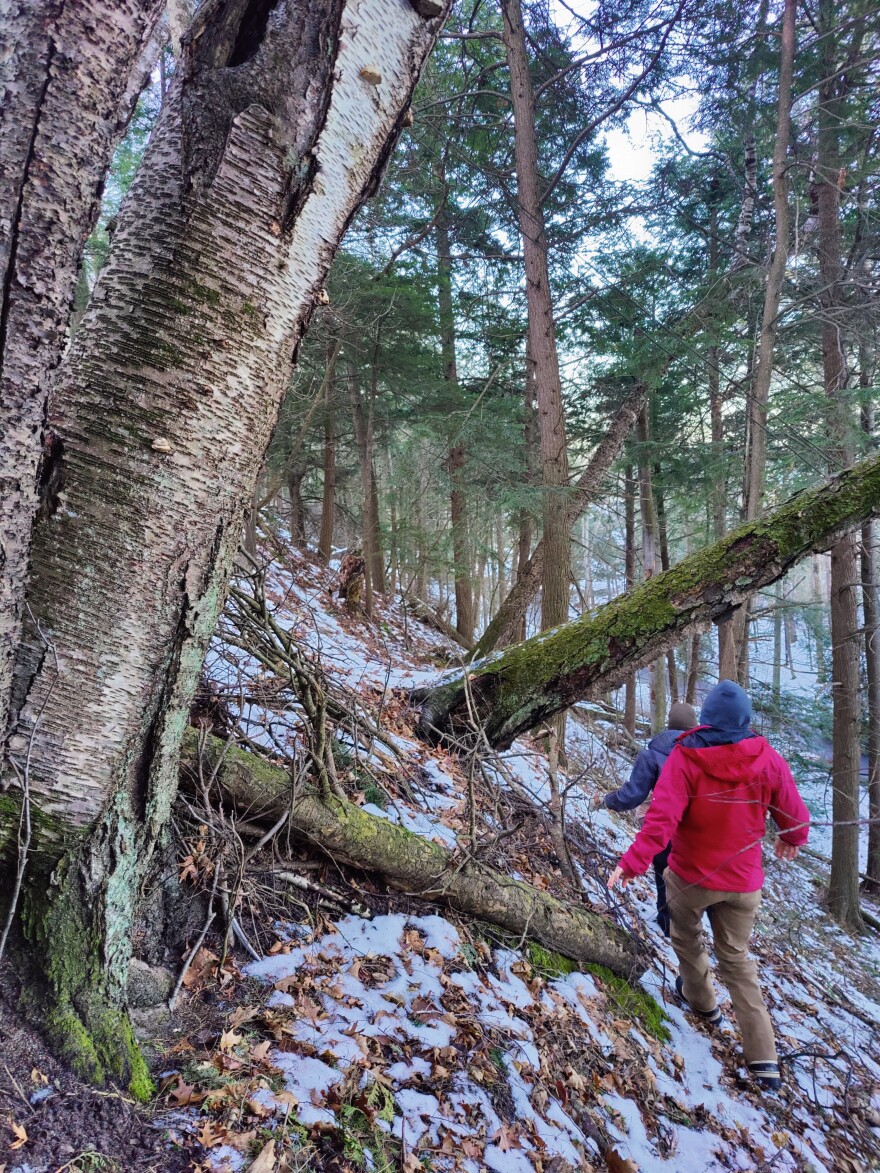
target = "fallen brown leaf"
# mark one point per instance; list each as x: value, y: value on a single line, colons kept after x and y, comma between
x: 264, y: 1162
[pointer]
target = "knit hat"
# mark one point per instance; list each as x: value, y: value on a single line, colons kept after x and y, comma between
x: 728, y: 708
x: 682, y: 716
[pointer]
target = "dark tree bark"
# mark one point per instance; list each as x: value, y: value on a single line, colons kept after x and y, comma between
x: 663, y: 536
x: 542, y: 332
x: 843, y: 889
x: 374, y: 571
x: 526, y: 684
x: 222, y: 247
x: 458, y: 504
x: 871, y: 607
x: 759, y: 393
x: 629, y: 570
x: 70, y: 75
x: 328, y: 496
x: 650, y: 561
x: 507, y: 622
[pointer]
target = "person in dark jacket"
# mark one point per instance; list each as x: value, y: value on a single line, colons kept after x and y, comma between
x: 642, y: 781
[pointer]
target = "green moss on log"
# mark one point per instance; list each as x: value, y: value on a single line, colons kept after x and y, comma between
x: 514, y: 690
x: 407, y: 861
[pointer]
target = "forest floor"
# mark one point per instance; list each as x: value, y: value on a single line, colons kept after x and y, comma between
x: 380, y: 1032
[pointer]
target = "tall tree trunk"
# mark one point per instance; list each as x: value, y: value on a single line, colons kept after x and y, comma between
x: 507, y: 622
x: 526, y: 684
x: 843, y: 890
x: 663, y: 537
x: 777, y: 646
x: 556, y: 529
x: 517, y: 630
x: 650, y: 561
x: 70, y: 75
x: 759, y: 394
x: 757, y: 398
x: 872, y: 672
x: 693, y: 675
x: 629, y: 564
x: 223, y: 242
x: 374, y: 570
x: 743, y: 232
x: 719, y: 480
x: 871, y: 609
x: 295, y: 477
x: 461, y: 552
x: 328, y: 494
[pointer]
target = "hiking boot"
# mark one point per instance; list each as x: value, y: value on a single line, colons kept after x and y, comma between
x: 766, y: 1075
x: 713, y: 1017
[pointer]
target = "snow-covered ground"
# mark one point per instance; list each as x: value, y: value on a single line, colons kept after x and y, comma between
x: 471, y: 1053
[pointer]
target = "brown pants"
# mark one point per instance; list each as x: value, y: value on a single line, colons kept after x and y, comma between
x: 732, y: 916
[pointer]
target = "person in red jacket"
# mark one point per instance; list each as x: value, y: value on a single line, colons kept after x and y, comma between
x: 712, y: 800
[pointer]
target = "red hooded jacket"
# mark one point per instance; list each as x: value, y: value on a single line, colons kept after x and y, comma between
x: 712, y: 802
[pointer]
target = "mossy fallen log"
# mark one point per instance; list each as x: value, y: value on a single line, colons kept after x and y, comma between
x: 514, y: 690
x: 412, y: 864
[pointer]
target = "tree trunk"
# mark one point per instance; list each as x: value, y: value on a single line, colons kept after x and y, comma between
x: 693, y: 676
x: 69, y: 80
x: 650, y: 561
x: 166, y: 402
x: 524, y: 548
x: 461, y: 552
x: 758, y: 396
x: 297, y: 508
x: 524, y: 685
x: 512, y: 611
x: 363, y: 432
x: 743, y: 232
x: 556, y: 529
x: 663, y: 536
x: 629, y: 569
x: 328, y: 495
x: 872, y: 672
x: 843, y: 889
x: 415, y: 865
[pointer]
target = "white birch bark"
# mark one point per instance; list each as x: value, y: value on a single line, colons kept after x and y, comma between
x: 274, y: 131
x: 68, y: 85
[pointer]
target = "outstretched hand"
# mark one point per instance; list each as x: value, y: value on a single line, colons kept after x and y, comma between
x: 786, y: 851
x: 618, y: 876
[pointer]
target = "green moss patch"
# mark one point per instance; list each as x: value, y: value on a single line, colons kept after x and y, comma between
x: 632, y: 1002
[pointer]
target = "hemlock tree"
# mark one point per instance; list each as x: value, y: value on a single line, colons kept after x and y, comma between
x: 273, y: 132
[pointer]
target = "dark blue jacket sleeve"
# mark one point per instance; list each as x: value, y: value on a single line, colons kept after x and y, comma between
x: 642, y: 781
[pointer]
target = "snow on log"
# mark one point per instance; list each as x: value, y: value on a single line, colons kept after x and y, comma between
x: 413, y: 864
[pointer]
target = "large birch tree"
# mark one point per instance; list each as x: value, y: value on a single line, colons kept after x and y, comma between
x: 70, y: 75
x: 274, y: 131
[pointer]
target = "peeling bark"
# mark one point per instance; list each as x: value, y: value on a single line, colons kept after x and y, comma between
x: 415, y: 865
x: 514, y: 690
x: 270, y: 138
x: 69, y: 79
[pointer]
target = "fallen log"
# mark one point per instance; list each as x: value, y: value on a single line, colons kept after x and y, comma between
x: 409, y: 863
x: 514, y: 690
